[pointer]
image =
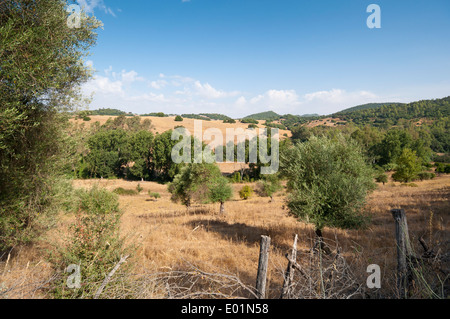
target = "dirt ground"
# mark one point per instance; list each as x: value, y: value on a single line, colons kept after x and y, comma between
x: 169, y: 237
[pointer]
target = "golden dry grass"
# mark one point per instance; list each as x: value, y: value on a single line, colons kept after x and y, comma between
x: 170, y: 237
x: 163, y: 124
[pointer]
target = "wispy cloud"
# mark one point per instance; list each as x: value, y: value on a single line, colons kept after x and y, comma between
x: 131, y: 91
x: 89, y: 6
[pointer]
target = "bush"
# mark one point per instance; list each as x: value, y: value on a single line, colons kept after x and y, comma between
x: 409, y: 185
x: 246, y: 192
x: 155, y: 196
x: 178, y: 119
x: 139, y: 188
x: 382, y: 178
x: 424, y: 176
x: 94, y: 243
x: 442, y: 168
x: 229, y: 121
x: 125, y: 192
x: 269, y: 185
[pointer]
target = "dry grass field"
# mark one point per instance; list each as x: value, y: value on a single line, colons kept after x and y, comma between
x: 162, y: 124
x: 171, y: 238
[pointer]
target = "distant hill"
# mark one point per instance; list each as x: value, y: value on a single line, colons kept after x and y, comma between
x: 268, y: 116
x: 366, y: 107
x: 425, y: 109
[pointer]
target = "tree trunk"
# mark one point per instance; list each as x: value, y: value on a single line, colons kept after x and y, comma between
x: 222, y: 208
x: 322, y: 244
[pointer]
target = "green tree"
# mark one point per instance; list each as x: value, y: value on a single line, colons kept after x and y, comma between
x: 220, y: 191
x: 139, y: 153
x: 382, y: 178
x: 328, y: 182
x: 41, y: 70
x: 201, y: 183
x: 178, y: 119
x: 163, y: 164
x: 107, y: 155
x: 269, y: 185
x: 408, y: 166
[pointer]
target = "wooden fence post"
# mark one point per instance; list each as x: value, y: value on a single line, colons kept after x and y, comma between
x: 289, y: 274
x: 404, y: 251
x: 261, y: 278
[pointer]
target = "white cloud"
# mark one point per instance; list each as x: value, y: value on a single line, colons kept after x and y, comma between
x: 131, y: 76
x: 158, y: 84
x: 89, y: 6
x: 207, y: 91
x: 104, y: 85
x: 130, y: 91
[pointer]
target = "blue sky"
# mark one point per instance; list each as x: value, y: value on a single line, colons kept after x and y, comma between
x: 239, y: 57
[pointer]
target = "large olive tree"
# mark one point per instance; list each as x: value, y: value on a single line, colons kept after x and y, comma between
x: 41, y: 69
x: 328, y: 182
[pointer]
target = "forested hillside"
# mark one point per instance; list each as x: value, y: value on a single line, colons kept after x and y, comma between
x: 425, y: 109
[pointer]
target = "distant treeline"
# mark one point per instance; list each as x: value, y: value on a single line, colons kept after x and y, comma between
x: 391, y: 114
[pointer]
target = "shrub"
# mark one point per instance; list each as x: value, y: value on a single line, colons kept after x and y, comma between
x: 178, y: 119
x: 423, y: 176
x: 409, y: 185
x: 139, y: 188
x: 246, y: 192
x: 442, y: 168
x: 269, y: 185
x: 382, y: 178
x: 153, y: 195
x: 125, y: 192
x: 94, y: 243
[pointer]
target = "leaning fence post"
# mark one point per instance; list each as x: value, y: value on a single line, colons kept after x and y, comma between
x: 289, y: 274
x: 261, y: 278
x: 403, y: 250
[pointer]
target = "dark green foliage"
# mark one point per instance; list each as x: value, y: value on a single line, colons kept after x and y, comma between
x: 263, y: 116
x: 41, y: 70
x: 249, y: 121
x: 365, y: 107
x: 107, y: 153
x: 178, y: 119
x: 201, y: 183
x: 139, y: 152
x: 156, y: 114
x: 109, y: 112
x: 328, y: 182
x: 442, y: 168
x: 392, y: 113
x: 382, y: 178
x: 196, y: 117
x: 424, y: 176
